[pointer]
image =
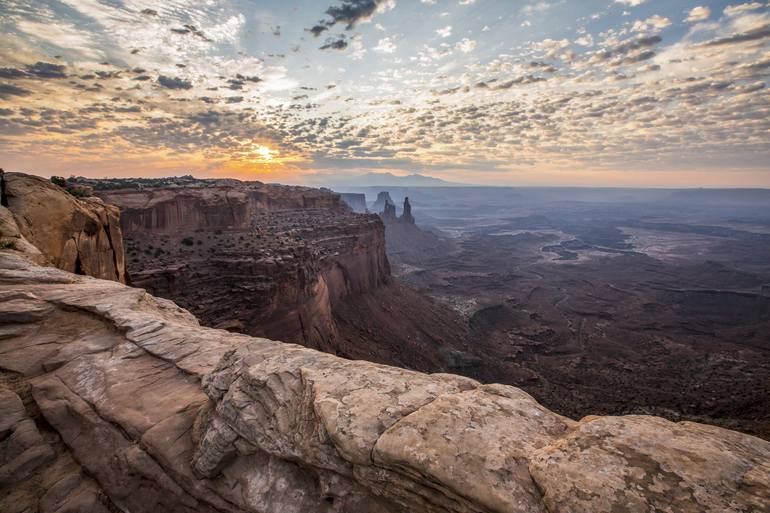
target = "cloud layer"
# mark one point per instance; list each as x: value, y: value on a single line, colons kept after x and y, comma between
x: 475, y: 91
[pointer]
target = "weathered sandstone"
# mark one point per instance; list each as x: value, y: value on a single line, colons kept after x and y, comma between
x: 288, y: 263
x: 162, y: 414
x: 81, y: 236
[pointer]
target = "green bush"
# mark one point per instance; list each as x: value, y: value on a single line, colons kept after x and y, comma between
x: 59, y: 180
x: 7, y: 244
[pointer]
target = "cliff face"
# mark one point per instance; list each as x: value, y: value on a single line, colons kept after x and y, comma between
x: 223, y: 204
x: 111, y: 399
x: 260, y: 259
x: 82, y: 236
x: 383, y: 199
x: 356, y: 202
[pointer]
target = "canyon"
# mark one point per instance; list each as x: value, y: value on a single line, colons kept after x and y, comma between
x: 115, y: 400
x: 288, y: 263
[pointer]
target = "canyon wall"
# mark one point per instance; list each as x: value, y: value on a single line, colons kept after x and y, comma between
x: 114, y: 400
x: 214, y: 204
x: 356, y: 202
x: 266, y: 260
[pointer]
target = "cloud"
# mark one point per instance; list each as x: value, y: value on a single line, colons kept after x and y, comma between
x: 46, y: 70
x: 652, y: 24
x: 385, y: 45
x: 8, y: 90
x: 734, y: 10
x: 755, y: 34
x: 465, y: 45
x: 174, y: 83
x: 64, y: 36
x: 444, y: 31
x: 335, y: 43
x: 12, y: 73
x: 630, y: 3
x: 350, y: 13
x: 697, y: 14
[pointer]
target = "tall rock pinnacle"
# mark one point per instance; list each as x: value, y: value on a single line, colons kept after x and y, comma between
x: 407, y: 216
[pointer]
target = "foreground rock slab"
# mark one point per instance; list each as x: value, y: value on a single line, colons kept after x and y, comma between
x: 133, y: 406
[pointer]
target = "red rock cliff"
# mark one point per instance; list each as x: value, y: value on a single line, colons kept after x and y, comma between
x: 261, y: 259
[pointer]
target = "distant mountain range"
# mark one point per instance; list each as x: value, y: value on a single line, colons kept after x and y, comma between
x: 376, y: 180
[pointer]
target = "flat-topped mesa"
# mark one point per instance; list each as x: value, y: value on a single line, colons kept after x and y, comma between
x: 267, y: 260
x: 210, y: 206
x: 132, y: 406
x: 383, y: 199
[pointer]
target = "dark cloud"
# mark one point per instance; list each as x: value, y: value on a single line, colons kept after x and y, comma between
x: 104, y: 75
x: 752, y: 35
x: 11, y: 73
x: 628, y: 46
x: 46, y: 70
x: 191, y: 29
x: 237, y: 83
x: 174, y: 83
x: 247, y: 78
x: 348, y: 12
x: 8, y: 90
x: 150, y: 12
x: 335, y: 43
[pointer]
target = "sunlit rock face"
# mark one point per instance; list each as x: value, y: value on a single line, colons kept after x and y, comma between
x: 79, y: 235
x: 112, y: 399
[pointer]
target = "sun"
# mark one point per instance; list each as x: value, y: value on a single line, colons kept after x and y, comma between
x: 265, y: 153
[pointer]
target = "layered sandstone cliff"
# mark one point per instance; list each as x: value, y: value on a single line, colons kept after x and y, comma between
x: 81, y: 236
x: 113, y: 400
x: 260, y: 259
x: 291, y: 263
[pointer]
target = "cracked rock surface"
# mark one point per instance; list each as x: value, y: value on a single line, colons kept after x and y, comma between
x: 122, y: 401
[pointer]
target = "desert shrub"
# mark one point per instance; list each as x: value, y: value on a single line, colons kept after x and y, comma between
x: 188, y: 241
x: 7, y: 244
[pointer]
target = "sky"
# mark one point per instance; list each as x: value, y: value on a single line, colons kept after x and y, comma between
x: 501, y: 92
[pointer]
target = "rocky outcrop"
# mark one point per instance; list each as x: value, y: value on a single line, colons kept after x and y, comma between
x: 407, y: 216
x: 407, y: 244
x: 79, y: 235
x: 389, y: 217
x: 148, y: 411
x: 388, y: 214
x: 356, y: 202
x: 383, y: 199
